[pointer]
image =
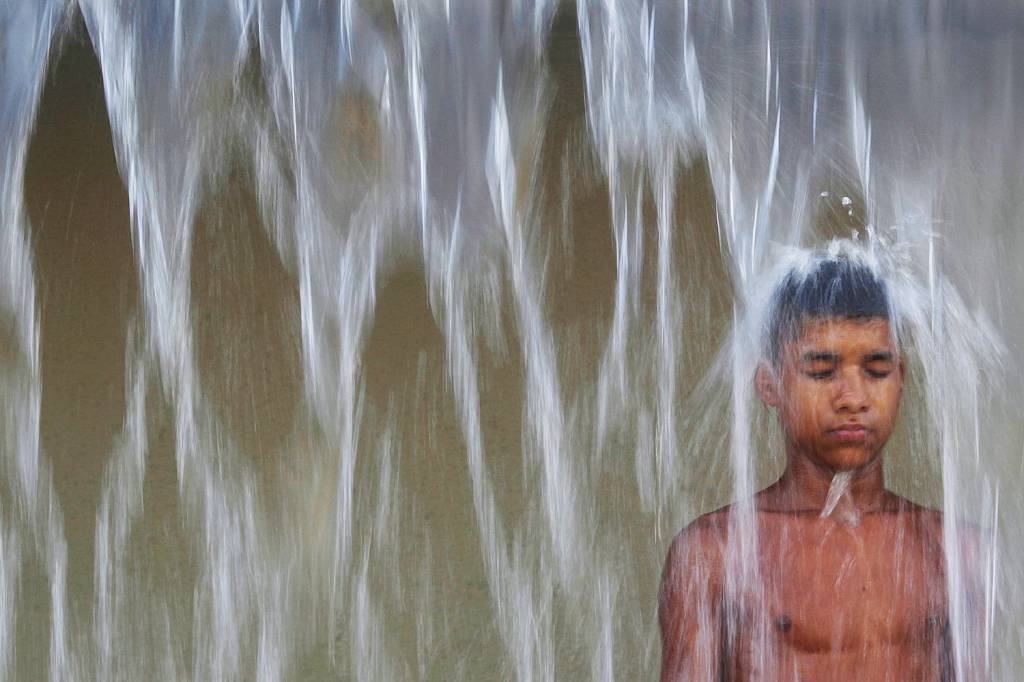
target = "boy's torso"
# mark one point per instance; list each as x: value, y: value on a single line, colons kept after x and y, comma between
x: 840, y: 600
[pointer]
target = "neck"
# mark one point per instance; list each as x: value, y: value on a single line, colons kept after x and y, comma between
x: 805, y: 485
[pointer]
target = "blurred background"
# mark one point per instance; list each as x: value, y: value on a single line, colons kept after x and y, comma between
x: 439, y: 415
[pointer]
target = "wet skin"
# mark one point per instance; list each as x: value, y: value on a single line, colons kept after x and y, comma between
x: 855, y: 594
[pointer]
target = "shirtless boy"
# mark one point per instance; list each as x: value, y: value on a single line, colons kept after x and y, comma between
x: 849, y: 588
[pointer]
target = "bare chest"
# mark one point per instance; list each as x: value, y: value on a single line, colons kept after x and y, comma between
x: 824, y: 588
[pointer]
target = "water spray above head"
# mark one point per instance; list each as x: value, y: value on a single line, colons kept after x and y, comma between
x: 833, y: 285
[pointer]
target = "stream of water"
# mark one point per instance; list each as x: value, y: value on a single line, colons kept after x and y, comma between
x: 585, y: 208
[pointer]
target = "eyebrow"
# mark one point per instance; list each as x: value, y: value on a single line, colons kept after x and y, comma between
x: 820, y: 356
x: 828, y: 356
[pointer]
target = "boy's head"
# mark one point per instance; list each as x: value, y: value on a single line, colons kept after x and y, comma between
x: 834, y: 289
x: 832, y: 368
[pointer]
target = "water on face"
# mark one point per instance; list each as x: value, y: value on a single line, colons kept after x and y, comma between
x: 395, y: 340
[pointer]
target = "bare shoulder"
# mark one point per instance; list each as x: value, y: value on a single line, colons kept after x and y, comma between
x: 690, y: 600
x: 912, y: 523
x: 932, y: 523
x: 697, y: 549
x: 693, y: 572
x: 932, y: 526
x: 705, y: 533
x: 928, y: 519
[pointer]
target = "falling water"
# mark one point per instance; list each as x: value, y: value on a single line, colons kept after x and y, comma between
x: 443, y: 316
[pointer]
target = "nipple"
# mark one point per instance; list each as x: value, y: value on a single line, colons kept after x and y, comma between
x: 783, y: 623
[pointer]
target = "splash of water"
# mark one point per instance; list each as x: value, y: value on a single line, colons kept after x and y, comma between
x: 840, y: 484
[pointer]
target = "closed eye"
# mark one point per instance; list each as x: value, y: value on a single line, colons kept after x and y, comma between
x: 819, y: 365
x: 879, y: 365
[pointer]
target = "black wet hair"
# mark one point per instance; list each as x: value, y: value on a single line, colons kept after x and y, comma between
x: 833, y: 289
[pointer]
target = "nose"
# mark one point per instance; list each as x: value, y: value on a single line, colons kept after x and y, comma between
x: 852, y: 395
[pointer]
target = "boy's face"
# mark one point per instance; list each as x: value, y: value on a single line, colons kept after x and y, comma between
x: 837, y: 390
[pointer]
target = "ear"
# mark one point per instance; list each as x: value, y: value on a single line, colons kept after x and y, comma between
x: 767, y: 385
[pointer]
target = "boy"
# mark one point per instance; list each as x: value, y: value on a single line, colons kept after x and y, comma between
x: 851, y: 581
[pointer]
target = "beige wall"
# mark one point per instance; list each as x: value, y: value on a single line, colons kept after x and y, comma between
x: 245, y: 307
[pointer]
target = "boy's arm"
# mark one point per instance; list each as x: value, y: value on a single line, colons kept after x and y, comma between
x: 690, y: 607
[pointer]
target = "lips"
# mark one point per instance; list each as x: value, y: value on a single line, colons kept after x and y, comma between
x: 850, y: 433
